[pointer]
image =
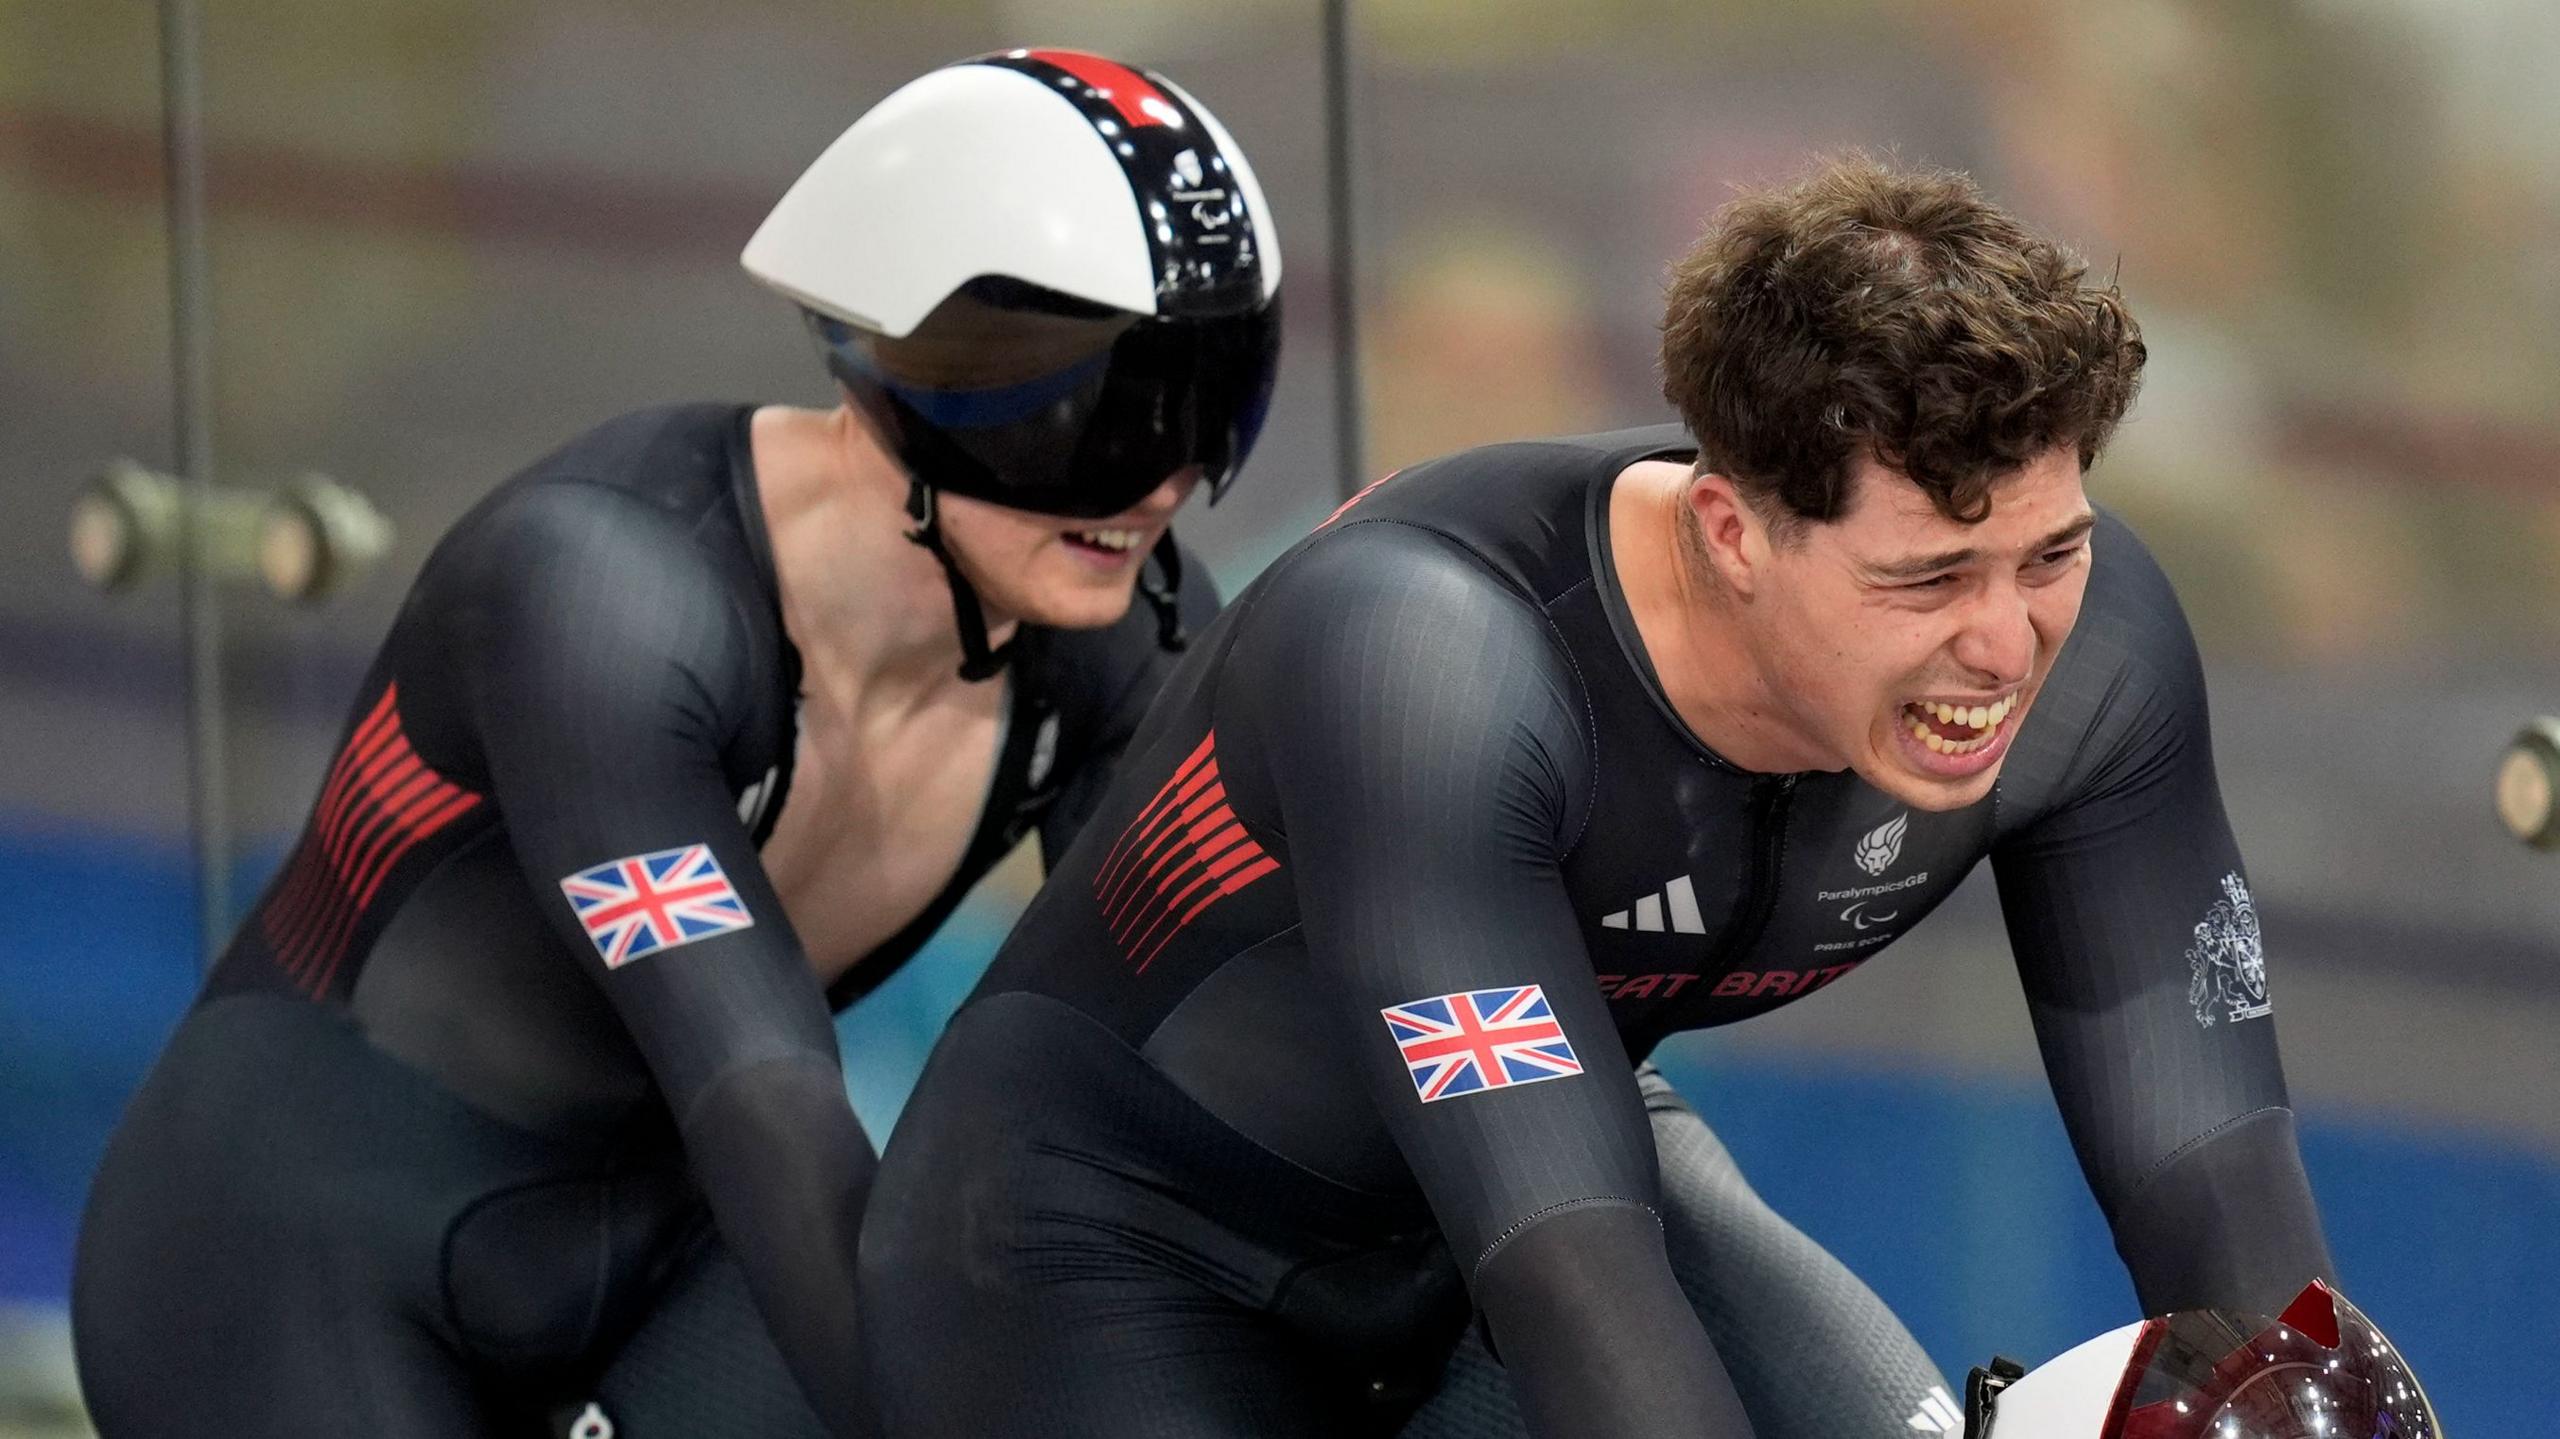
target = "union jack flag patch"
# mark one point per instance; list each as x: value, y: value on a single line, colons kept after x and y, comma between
x: 649, y: 902
x: 1480, y: 1039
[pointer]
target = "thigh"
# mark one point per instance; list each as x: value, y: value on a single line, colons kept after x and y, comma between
x: 1125, y: 1350
x: 225, y: 1345
x: 1041, y: 1257
x: 229, y: 1281
x: 1814, y: 1353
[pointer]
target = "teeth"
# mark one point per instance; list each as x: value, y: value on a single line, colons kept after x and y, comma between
x: 1119, y: 541
x: 1984, y: 718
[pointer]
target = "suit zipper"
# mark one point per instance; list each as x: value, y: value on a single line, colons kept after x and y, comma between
x: 1769, y: 801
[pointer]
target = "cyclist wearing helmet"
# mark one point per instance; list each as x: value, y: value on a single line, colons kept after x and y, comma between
x: 1324, y: 1037
x: 695, y: 728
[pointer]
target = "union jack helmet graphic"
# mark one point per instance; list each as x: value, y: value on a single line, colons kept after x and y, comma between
x: 1048, y: 278
x: 2319, y: 1371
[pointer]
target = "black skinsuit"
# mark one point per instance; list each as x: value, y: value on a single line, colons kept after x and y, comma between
x: 420, y: 1157
x: 1216, y: 1147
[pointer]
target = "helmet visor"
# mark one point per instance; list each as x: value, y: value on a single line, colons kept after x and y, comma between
x: 1079, y: 415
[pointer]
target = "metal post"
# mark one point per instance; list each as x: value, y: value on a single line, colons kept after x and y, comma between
x: 1346, y: 312
x: 191, y: 364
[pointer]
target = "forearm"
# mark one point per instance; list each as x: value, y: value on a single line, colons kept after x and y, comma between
x: 1598, y: 1339
x: 787, y: 1167
x: 2227, y: 1222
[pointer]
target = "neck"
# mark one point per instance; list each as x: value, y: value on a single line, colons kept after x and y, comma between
x: 862, y: 602
x: 1696, y: 630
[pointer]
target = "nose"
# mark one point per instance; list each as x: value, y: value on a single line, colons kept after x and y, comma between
x: 1167, y: 497
x: 1997, y: 641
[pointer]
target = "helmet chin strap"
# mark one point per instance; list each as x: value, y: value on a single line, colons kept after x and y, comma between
x: 1163, y: 595
x: 978, y: 660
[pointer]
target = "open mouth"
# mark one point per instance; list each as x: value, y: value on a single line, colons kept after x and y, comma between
x: 1110, y: 544
x: 1952, y: 729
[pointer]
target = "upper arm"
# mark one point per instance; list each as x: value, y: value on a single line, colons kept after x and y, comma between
x: 1424, y: 743
x: 603, y: 660
x: 2127, y: 907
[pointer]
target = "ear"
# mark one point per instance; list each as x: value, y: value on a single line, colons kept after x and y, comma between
x: 1732, y: 537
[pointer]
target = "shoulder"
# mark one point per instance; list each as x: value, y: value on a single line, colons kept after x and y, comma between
x: 1524, y: 508
x: 548, y: 567
x: 1391, y: 665
x: 1397, y: 558
x: 678, y: 456
x: 1532, y: 463
x: 667, y: 472
x: 2132, y: 630
x: 2128, y: 687
x: 541, y: 526
x: 650, y: 475
x: 2126, y: 579
x: 1394, y: 616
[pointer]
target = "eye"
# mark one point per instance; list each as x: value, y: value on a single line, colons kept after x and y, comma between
x: 2052, y: 558
x: 1934, y: 582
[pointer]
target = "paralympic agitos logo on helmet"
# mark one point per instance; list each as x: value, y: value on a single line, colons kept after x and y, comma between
x: 1200, y: 226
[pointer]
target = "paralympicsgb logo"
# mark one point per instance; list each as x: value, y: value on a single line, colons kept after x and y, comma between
x: 2227, y: 965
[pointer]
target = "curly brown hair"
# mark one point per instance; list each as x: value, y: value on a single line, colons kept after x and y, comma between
x: 1898, y: 313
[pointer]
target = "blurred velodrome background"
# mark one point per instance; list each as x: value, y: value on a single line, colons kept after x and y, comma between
x: 446, y: 235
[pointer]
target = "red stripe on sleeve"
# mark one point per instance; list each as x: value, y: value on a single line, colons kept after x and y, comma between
x: 453, y: 805
x: 1231, y: 884
x: 390, y: 767
x: 361, y: 745
x: 1102, y: 876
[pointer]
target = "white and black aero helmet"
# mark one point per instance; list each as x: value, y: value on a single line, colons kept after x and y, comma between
x: 1049, y: 280
x: 2321, y: 1370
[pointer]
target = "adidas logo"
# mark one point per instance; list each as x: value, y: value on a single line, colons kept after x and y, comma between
x: 1678, y: 899
x: 1937, y: 1413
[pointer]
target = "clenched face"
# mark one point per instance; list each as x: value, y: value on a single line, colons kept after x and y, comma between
x: 1909, y: 646
x: 1058, y: 573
